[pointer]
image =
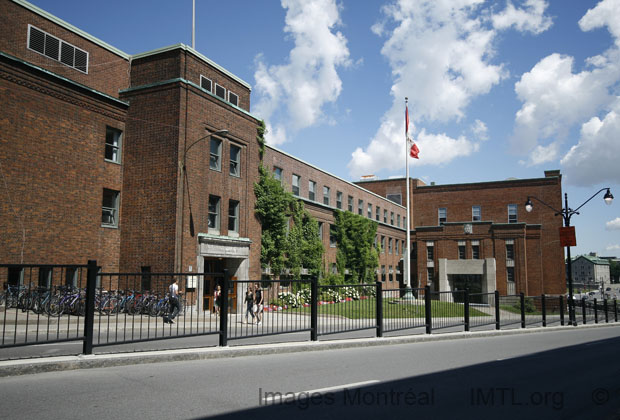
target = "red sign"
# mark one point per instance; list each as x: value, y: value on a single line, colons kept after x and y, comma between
x: 567, y: 236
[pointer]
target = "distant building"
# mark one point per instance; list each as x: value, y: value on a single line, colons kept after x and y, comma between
x: 590, y: 270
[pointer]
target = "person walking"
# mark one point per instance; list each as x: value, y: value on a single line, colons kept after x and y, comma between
x: 258, y: 300
x: 174, y: 301
x: 249, y: 303
x: 217, y: 298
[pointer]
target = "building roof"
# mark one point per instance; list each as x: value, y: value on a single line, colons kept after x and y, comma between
x: 592, y: 259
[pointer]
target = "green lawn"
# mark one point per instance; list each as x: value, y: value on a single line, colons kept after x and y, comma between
x: 358, y: 309
x: 515, y: 310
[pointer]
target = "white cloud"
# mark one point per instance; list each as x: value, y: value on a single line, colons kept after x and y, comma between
x: 440, y: 52
x: 292, y: 95
x: 480, y: 130
x: 555, y: 100
x: 594, y: 159
x: 613, y: 224
x: 531, y: 18
x: 615, y: 247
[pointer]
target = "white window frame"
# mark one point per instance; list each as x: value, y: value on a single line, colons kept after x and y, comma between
x: 210, y: 90
x: 235, y: 163
x: 369, y: 211
x: 333, y: 242
x: 360, y: 207
x: 445, y: 215
x: 516, y: 215
x: 214, y: 214
x: 60, y: 44
x: 295, y: 181
x: 278, y: 173
x: 350, y: 203
x: 339, y: 200
x: 236, y: 102
x: 234, y: 217
x: 311, y: 190
x: 215, y: 156
x: 115, y: 147
x: 474, y: 210
x: 112, y: 211
x: 326, y: 195
x: 215, y: 91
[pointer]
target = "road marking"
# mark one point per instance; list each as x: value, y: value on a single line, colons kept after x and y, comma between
x: 286, y: 396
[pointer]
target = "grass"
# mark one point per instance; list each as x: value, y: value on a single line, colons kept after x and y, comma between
x: 514, y: 310
x: 360, y: 309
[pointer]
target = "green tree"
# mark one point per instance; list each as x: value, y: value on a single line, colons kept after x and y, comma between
x: 614, y: 270
x: 305, y: 248
x: 355, y: 236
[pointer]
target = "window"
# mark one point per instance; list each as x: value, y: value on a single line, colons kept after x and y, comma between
x: 512, y: 213
x: 360, y: 207
x: 145, y: 282
x: 430, y: 273
x: 404, y: 222
x: 383, y: 273
x: 378, y: 213
x: 382, y: 244
x: 510, y: 249
x: 392, y: 218
x: 369, y: 211
x: 214, y: 214
x: 215, y: 154
x: 45, y: 277
x: 332, y: 236
x: 233, y: 218
x: 443, y: 215
x: 220, y: 91
x: 476, y: 214
x: 430, y: 248
x: 113, y: 144
x: 233, y: 98
x: 326, y: 196
x: 384, y: 216
x: 339, y: 199
x: 235, y: 160
x: 390, y: 273
x: 311, y: 188
x: 510, y: 275
x: 16, y: 276
x: 296, y: 181
x: 397, y: 198
x: 109, y: 208
x: 403, y: 248
x: 334, y: 268
x: 321, y: 231
x: 389, y: 245
x: 350, y: 203
x: 475, y: 250
x: 71, y: 277
x: 396, y: 243
x: 461, y: 250
x: 398, y: 220
x: 206, y: 84
x: 56, y: 49
x: 277, y: 174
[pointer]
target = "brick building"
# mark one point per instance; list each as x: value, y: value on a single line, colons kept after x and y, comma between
x: 147, y: 162
x: 479, y: 236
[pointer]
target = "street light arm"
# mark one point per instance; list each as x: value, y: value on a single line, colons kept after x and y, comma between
x: 545, y: 204
x: 199, y: 140
x: 585, y: 202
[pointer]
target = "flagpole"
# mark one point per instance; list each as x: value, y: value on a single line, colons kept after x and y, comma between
x: 408, y: 294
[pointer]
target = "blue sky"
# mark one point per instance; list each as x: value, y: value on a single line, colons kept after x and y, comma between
x: 497, y: 89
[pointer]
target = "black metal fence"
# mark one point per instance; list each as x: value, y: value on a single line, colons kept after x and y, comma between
x: 56, y: 303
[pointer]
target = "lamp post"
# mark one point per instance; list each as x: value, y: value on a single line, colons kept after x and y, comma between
x: 183, y: 179
x: 566, y: 214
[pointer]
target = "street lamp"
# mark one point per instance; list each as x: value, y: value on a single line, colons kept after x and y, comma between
x: 566, y: 214
x: 184, y: 180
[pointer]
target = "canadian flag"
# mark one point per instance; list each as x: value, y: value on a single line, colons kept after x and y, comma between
x: 414, y: 151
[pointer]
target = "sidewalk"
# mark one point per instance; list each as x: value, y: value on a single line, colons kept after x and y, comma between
x: 50, y: 364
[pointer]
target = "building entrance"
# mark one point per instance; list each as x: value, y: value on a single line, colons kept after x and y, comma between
x: 471, y: 282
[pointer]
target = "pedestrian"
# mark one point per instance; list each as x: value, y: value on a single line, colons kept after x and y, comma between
x: 249, y: 303
x: 258, y: 301
x: 217, y: 298
x: 174, y: 301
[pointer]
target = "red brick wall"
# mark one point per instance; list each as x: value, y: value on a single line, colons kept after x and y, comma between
x: 107, y: 71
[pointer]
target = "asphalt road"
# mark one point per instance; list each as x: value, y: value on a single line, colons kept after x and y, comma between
x: 548, y: 375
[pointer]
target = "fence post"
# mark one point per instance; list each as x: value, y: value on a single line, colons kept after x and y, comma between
x: 583, y: 311
x: 615, y: 310
x: 561, y: 310
x: 466, y: 303
x: 595, y: 311
x: 522, y: 300
x: 89, y: 315
x: 224, y: 311
x: 314, y: 310
x: 497, y: 320
x: 544, y: 310
x: 427, y: 309
x: 379, y: 304
x: 605, y: 309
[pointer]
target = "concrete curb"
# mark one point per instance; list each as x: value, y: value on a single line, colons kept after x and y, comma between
x: 58, y: 363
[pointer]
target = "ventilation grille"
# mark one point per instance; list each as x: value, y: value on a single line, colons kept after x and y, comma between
x: 56, y: 49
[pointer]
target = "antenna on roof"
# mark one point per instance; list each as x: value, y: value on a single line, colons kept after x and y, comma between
x: 194, y: 24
